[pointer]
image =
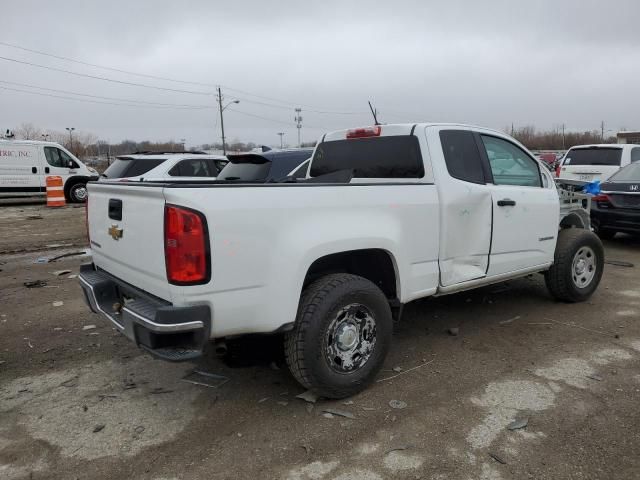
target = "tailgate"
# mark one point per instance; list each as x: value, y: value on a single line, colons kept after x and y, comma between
x: 126, y: 228
x: 587, y: 173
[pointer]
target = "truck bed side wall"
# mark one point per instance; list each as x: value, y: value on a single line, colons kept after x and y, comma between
x: 264, y: 238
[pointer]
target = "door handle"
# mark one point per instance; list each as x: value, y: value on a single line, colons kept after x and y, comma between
x: 34, y: 169
x: 506, y: 202
x: 46, y: 169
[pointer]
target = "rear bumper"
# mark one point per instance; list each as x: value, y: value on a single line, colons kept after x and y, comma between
x: 619, y: 220
x: 167, y: 332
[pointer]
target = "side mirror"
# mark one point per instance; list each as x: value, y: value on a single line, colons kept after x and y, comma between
x: 71, y: 164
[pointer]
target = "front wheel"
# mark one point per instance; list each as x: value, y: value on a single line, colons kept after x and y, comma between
x: 78, y: 193
x: 341, y: 336
x: 577, y: 267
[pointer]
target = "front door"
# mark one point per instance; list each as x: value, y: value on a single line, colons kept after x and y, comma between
x: 59, y: 163
x: 525, y: 208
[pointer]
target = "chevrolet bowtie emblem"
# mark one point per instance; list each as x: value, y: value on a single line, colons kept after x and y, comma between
x: 115, y: 232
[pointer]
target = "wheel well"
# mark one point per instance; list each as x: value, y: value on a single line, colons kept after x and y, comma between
x: 575, y: 220
x: 373, y: 264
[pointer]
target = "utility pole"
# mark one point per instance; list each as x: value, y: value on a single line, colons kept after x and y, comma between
x: 224, y: 146
x: 281, y: 135
x: 602, y: 130
x: 563, y: 146
x: 298, y: 120
x: 70, y: 129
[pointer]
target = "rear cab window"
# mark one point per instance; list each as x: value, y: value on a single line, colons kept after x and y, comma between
x: 130, y: 167
x: 610, y: 156
x: 395, y: 156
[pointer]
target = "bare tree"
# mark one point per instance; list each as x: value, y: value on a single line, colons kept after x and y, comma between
x: 28, y: 131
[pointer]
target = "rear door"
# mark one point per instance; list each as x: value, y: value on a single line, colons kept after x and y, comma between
x: 465, y: 202
x: 525, y: 208
x: 592, y: 163
x: 20, y: 170
x: 126, y: 230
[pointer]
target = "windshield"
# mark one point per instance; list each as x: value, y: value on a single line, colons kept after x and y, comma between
x: 630, y: 173
x: 129, y: 167
x: 246, y: 171
x: 593, y: 156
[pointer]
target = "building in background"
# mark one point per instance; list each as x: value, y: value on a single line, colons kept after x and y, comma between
x: 628, y: 137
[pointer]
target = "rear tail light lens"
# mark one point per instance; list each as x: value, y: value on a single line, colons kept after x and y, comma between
x: 558, y: 171
x: 364, y: 132
x: 602, y: 200
x: 186, y: 246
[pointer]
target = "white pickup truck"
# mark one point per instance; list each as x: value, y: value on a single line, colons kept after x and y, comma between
x: 385, y: 215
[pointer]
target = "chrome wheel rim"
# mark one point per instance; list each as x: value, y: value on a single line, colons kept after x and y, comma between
x: 350, y: 338
x: 583, y: 267
x: 80, y: 193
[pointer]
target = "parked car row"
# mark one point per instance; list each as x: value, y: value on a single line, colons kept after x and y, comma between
x: 24, y: 165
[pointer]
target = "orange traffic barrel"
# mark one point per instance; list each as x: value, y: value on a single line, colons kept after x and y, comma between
x: 55, y: 192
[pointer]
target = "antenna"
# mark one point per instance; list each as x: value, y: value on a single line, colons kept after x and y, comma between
x: 374, y: 112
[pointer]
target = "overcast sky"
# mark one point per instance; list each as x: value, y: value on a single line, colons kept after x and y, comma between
x: 491, y: 63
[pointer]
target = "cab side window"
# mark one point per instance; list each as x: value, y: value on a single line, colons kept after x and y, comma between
x: 192, y: 168
x: 462, y: 156
x: 510, y: 165
x: 635, y: 154
x: 57, y: 158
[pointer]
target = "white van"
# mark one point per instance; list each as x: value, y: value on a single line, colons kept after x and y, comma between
x: 25, y: 164
x: 596, y: 162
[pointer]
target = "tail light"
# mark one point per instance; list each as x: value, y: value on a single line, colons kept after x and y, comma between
x: 364, y: 132
x: 602, y: 200
x: 558, y: 170
x: 186, y: 246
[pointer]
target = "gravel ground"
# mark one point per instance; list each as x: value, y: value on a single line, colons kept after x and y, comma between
x: 79, y: 401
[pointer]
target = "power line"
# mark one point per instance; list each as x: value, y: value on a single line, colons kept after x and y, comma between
x: 267, y: 118
x: 91, y: 101
x: 282, y: 107
x: 108, y: 98
x: 106, y: 79
x: 308, y: 108
x: 59, y: 57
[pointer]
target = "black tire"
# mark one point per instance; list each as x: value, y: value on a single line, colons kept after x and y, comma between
x: 338, y: 300
x: 78, y: 193
x: 562, y: 279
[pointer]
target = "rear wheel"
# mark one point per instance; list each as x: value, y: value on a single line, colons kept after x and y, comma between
x: 341, y: 337
x: 578, y: 265
x: 78, y: 193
